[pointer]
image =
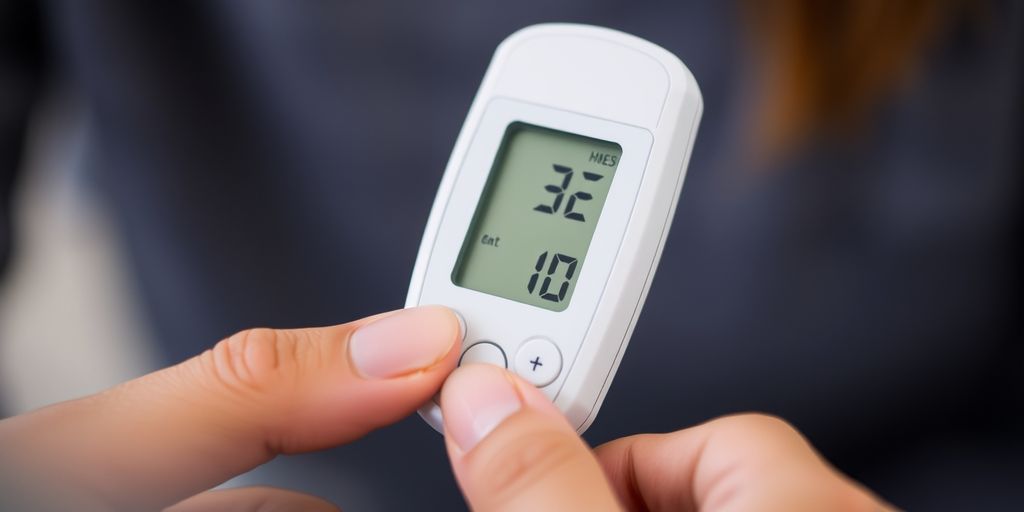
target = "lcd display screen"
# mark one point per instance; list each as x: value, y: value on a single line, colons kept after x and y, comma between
x: 532, y: 228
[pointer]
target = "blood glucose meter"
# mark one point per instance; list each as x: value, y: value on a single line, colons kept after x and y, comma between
x: 555, y: 205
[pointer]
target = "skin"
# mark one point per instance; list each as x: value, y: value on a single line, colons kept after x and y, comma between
x: 161, y: 441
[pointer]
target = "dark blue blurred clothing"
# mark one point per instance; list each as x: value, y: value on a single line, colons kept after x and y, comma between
x: 273, y: 163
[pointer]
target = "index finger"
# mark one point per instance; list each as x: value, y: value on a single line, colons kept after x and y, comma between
x: 153, y: 441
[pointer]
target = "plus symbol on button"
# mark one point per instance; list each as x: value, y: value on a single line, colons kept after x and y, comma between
x: 536, y: 362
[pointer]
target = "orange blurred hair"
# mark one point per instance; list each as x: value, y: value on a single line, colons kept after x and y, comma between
x: 826, y: 63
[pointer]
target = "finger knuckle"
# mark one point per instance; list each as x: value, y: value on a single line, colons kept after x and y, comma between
x: 759, y: 423
x: 523, y: 461
x: 253, y: 360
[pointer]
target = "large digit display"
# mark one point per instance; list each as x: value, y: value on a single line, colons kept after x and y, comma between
x: 533, y: 225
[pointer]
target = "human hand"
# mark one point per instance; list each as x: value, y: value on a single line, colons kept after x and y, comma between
x: 155, y: 441
x: 511, y: 449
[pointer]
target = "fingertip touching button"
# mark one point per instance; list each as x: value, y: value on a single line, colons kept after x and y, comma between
x: 484, y: 352
x: 462, y: 325
x: 538, y: 361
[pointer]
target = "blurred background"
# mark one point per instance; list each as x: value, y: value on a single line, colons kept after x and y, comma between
x: 845, y: 253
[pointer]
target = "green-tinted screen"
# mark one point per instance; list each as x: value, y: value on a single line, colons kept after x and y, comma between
x: 532, y: 228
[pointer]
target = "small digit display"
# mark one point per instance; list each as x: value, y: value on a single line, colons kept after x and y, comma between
x: 533, y: 225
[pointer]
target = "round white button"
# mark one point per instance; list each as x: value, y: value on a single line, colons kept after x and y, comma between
x: 538, y: 361
x: 484, y: 352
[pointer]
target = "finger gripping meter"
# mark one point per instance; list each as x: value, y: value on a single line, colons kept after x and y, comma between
x: 555, y: 205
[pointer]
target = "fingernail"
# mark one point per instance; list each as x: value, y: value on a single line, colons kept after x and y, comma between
x: 403, y: 342
x: 475, y: 400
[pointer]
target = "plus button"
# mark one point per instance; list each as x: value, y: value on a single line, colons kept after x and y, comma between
x: 536, y: 362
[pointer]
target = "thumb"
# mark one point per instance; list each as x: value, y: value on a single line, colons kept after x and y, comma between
x: 511, y: 449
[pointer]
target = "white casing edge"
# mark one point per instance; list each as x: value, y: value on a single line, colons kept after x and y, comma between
x: 674, y: 130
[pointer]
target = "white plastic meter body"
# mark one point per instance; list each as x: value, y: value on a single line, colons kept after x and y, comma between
x: 553, y: 210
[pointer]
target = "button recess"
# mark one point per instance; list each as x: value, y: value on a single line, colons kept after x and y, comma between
x: 538, y: 361
x: 484, y: 352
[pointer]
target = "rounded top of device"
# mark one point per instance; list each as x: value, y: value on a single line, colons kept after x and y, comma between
x: 591, y: 70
